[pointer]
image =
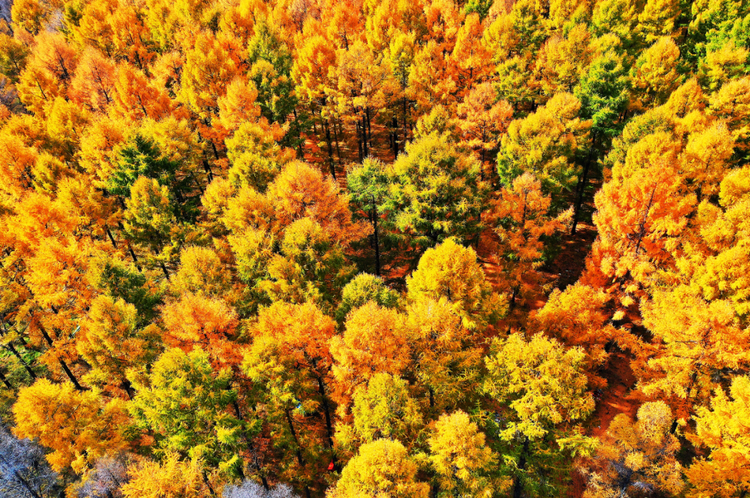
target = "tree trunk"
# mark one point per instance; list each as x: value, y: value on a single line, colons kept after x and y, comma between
x: 208, y: 484
x: 250, y: 448
x: 369, y: 128
x: 135, y: 259
x: 326, y: 410
x: 197, y: 183
x: 299, y: 140
x: 164, y: 269
x: 5, y: 380
x: 207, y: 167
x: 377, y: 241
x: 394, y: 124
x: 111, y: 238
x: 300, y: 460
x: 365, y: 145
x: 359, y: 141
x: 28, y: 368
x: 517, y: 486
x: 330, y: 148
x: 336, y: 138
x: 406, y: 130
x: 61, y: 361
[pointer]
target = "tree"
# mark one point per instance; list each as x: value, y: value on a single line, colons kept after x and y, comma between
x: 363, y: 84
x: 302, y: 191
x: 640, y: 220
x: 210, y: 65
x: 483, y: 119
x: 522, y: 222
x: 452, y: 271
x: 13, y: 56
x: 49, y: 71
x: 137, y: 97
x: 620, y: 18
x: 119, y: 280
x: 658, y: 18
x: 731, y: 104
x: 723, y: 472
x: 94, y: 81
x: 603, y: 89
x: 255, y: 153
x: 205, y: 322
x: 184, y: 402
x: 717, y: 268
x: 77, y: 426
x: 368, y: 186
x: 173, y: 478
x: 435, y: 192
x: 577, y: 317
x: 270, y: 70
x: 311, y: 266
x: 541, y: 386
x: 289, y: 362
x: 201, y: 271
x: 374, y: 341
x: 381, y: 468
x: 699, y: 341
x: 239, y: 104
x: 638, y: 456
x: 111, y: 342
x: 655, y: 73
x: 565, y: 60
x: 362, y: 289
x: 447, y: 354
x: 150, y: 220
x: 460, y: 458
x: 140, y: 156
x: 383, y: 409
x: 545, y: 144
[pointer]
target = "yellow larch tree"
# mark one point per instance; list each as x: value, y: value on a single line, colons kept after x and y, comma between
x: 722, y: 428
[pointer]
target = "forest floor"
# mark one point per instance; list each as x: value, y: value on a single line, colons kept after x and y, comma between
x: 564, y: 269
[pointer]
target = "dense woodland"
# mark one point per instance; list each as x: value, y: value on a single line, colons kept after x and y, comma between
x: 375, y: 248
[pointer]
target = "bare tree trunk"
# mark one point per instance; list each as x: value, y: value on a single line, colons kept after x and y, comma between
x: 336, y: 138
x: 28, y: 368
x: 517, y: 486
x: 164, y: 269
x: 377, y: 241
x: 5, y: 380
x: 359, y: 141
x: 64, y: 365
x: 330, y: 149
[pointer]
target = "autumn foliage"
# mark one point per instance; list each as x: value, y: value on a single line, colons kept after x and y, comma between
x: 374, y: 248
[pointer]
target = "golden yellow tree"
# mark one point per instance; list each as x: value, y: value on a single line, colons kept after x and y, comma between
x: 381, y: 468
x: 77, y: 426
x: 460, y: 457
x: 721, y: 428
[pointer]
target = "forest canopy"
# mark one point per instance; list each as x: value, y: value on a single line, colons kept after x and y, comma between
x: 374, y: 248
